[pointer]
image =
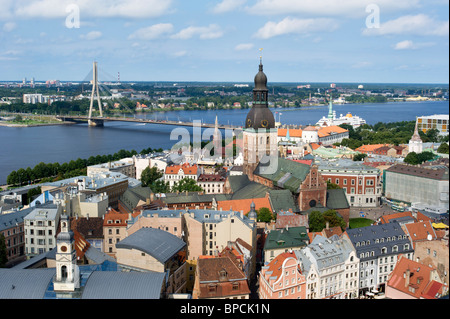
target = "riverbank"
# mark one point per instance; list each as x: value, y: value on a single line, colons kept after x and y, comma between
x: 6, y: 124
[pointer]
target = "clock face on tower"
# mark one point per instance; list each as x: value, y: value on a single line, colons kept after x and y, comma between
x: 264, y: 123
x: 63, y: 248
x: 249, y: 122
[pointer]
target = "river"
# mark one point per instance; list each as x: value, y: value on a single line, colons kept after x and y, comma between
x: 22, y: 147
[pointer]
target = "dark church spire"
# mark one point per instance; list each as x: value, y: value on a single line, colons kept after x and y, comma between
x: 260, y: 116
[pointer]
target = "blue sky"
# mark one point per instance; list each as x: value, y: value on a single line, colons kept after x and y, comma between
x: 336, y: 41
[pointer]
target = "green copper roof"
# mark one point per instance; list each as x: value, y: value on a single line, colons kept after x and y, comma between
x: 289, y: 174
x: 292, y: 237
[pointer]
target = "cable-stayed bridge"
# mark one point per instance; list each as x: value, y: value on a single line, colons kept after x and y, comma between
x: 100, y: 119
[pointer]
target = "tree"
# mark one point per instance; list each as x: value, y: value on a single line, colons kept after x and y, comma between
x: 187, y: 184
x: 411, y: 158
x: 159, y: 186
x: 264, y: 215
x: 316, y: 221
x: 425, y: 156
x: 359, y: 157
x: 332, y: 217
x: 12, y: 178
x: 331, y: 185
x: 150, y: 175
x: 443, y: 148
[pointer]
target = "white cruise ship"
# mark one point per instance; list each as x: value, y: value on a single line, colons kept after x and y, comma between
x: 331, y: 119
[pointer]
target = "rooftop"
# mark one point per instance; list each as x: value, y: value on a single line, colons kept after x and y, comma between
x: 158, y: 243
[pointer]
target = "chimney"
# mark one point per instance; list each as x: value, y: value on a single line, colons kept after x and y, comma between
x: 152, y: 197
x: 407, y: 275
x: 327, y: 225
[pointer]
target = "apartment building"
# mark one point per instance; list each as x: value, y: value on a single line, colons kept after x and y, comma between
x: 12, y: 228
x: 379, y: 247
x: 41, y: 225
x: 282, y: 278
x: 331, y: 268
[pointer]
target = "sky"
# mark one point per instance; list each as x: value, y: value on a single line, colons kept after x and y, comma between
x: 304, y: 41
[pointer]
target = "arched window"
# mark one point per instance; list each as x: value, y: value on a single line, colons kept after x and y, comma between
x: 64, y: 272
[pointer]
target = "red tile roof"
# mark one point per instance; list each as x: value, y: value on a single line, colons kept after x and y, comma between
x: 328, y: 130
x: 413, y: 279
x: 275, y: 266
x: 244, y: 204
x: 213, y: 285
x: 420, y: 231
x: 292, y: 132
x: 187, y: 169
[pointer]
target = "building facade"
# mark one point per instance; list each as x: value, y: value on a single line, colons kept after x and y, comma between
x: 175, y: 173
x: 12, y: 228
x: 40, y: 229
x: 211, y: 183
x: 282, y: 279
x: 361, y: 183
x: 412, y: 184
x: 331, y: 267
x: 378, y: 247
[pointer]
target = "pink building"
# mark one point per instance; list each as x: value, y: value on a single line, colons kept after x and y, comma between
x: 282, y: 279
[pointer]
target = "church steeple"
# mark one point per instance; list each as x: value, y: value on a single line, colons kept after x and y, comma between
x: 260, y: 116
x: 67, y: 272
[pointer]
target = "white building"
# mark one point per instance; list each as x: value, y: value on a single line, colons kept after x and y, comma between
x: 175, y: 173
x: 33, y: 98
x: 40, y: 228
x: 125, y: 166
x: 211, y: 183
x: 331, y: 268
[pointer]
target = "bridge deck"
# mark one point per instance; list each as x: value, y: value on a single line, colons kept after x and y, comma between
x: 145, y: 121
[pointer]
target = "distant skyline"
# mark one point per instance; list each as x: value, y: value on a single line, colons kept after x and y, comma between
x: 304, y: 41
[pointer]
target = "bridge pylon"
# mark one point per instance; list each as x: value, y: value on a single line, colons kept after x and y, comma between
x: 95, y: 122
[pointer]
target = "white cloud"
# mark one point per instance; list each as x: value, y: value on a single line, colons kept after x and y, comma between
x: 244, y: 46
x: 152, y: 32
x: 90, y: 8
x: 93, y: 35
x: 9, y: 26
x: 10, y: 55
x: 410, y: 45
x: 363, y: 64
x: 228, y: 5
x: 179, y: 54
x: 296, y: 26
x: 213, y: 31
x: 348, y: 8
x: 420, y: 24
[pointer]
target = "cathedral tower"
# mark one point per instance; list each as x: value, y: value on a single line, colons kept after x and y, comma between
x: 260, y: 134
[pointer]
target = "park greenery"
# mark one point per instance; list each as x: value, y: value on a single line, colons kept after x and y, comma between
x: 49, y: 172
x: 318, y: 220
x: 395, y: 133
x: 414, y: 158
